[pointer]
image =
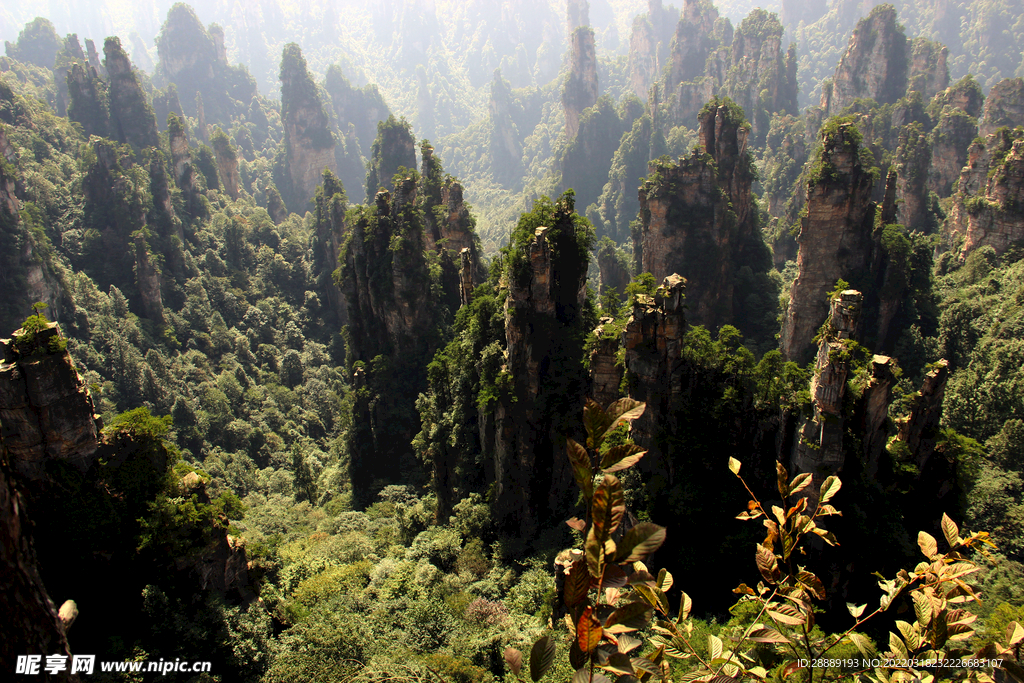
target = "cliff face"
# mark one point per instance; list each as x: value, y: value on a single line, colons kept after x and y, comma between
x: 227, y: 163
x: 913, y: 156
x: 696, y: 219
x: 835, y: 240
x: 919, y: 430
x: 46, y: 411
x: 1004, y: 106
x: 988, y: 207
x: 308, y: 140
x: 87, y: 100
x: 761, y: 78
x: 331, y: 230
x: 580, y: 91
x: 542, y: 319
x: 874, y: 64
x: 506, y: 150
x: 692, y: 43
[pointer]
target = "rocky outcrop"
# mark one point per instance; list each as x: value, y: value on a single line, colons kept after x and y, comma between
x: 929, y: 73
x: 31, y: 622
x: 649, y: 44
x: 1004, y: 106
x: 653, y: 343
x: 94, y: 59
x: 46, y: 411
x: 613, y: 269
x: 835, y: 240
x: 467, y: 276
x: 331, y: 230
x: 227, y: 163
x: 221, y: 565
x: 988, y: 208
x: 308, y: 140
x: 194, y: 59
x: 696, y: 218
x: 819, y: 448
x: 147, y: 279
x: 542, y: 315
x: 580, y: 91
x: 506, y: 148
x: 131, y: 118
x: 394, y: 148
x: 87, y: 100
x: 874, y: 64
x: 964, y: 95
x: 577, y: 14
x: 919, y: 429
x: 362, y: 108
x: 692, y: 43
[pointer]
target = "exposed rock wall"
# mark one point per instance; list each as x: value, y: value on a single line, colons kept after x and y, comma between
x: 331, y: 230
x: 147, y: 279
x: 605, y: 373
x: 506, y: 150
x: 759, y: 77
x: 874, y: 64
x: 874, y: 411
x: 580, y: 91
x: 819, y: 448
x: 835, y: 240
x: 988, y: 208
x: 913, y: 156
x: 46, y: 411
x: 950, y: 140
x: 393, y: 148
x: 1004, y: 106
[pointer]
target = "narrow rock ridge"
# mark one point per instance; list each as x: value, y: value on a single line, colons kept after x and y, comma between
x: 929, y: 72
x: 835, y: 240
x: 874, y: 411
x: 46, y: 411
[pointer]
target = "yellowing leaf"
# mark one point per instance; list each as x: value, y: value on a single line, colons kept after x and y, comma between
x: 734, y: 465
x: 829, y: 488
x: 588, y: 630
x: 950, y: 531
x: 1014, y: 634
x: 927, y: 543
x: 854, y: 610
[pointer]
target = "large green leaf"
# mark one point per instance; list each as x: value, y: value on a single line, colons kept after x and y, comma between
x: 581, y: 470
x: 608, y: 507
x: 639, y: 542
x: 622, y: 456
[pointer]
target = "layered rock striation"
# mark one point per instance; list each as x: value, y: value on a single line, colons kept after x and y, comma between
x: 1004, y: 106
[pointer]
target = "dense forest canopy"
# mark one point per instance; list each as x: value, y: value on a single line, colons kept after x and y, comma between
x: 435, y: 340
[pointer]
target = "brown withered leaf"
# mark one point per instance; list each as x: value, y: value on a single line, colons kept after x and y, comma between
x: 582, y: 472
x: 514, y: 659
x: 621, y: 457
x: 577, y: 584
x: 767, y: 564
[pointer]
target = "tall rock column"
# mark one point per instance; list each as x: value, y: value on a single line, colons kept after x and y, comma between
x: 696, y: 219
x: 819, y: 447
x: 874, y: 65
x: 131, y: 117
x: 988, y: 207
x: 835, y: 237
x: 543, y: 319
x: 580, y: 91
x: 308, y: 140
